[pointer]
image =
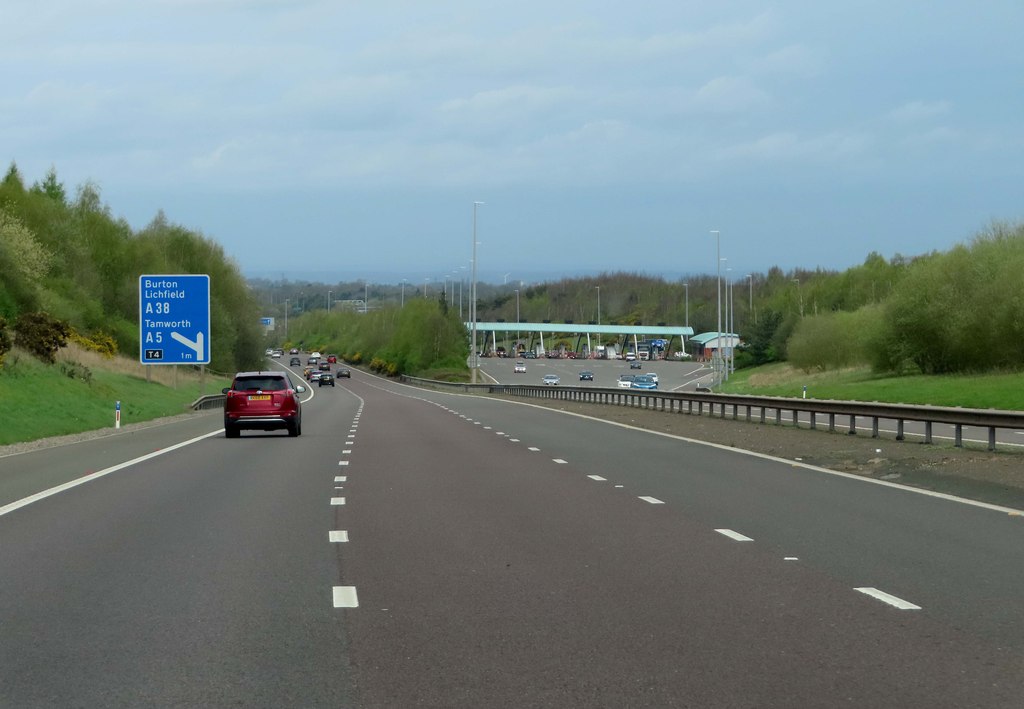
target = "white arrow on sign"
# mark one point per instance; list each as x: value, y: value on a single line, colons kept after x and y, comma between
x: 196, y: 346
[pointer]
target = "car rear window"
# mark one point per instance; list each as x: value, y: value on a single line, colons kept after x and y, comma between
x: 263, y: 383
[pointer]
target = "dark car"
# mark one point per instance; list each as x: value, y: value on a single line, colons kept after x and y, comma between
x: 586, y: 376
x: 635, y: 364
x: 326, y: 378
x: 529, y: 354
x: 295, y: 362
x: 344, y: 373
x: 324, y: 366
x: 264, y: 401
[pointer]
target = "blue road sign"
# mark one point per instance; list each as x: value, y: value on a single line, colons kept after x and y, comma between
x: 174, y: 319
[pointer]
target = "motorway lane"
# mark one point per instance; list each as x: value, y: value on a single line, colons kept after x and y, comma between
x: 509, y: 558
x: 199, y: 578
x: 962, y: 561
x: 488, y: 574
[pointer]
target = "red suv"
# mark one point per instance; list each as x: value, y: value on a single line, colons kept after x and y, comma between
x: 264, y: 401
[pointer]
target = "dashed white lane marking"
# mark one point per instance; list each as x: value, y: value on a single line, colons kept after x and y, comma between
x: 791, y: 558
x: 500, y: 433
x: 338, y: 536
x: 335, y: 501
x: 652, y: 500
x: 345, y: 597
x: 488, y: 428
x: 736, y: 536
x: 888, y: 598
x: 346, y: 451
x: 560, y: 461
x: 514, y: 440
x: 531, y: 448
x: 596, y: 477
x: 339, y: 487
x: 351, y: 435
x: 341, y: 479
x: 476, y: 423
x: 353, y: 430
x: 620, y: 486
x: 342, y: 462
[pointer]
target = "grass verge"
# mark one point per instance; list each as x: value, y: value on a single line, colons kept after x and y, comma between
x: 41, y: 400
x: 979, y: 391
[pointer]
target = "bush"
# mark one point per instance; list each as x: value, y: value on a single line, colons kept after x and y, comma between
x: 41, y: 334
x: 99, y: 342
x: 5, y: 341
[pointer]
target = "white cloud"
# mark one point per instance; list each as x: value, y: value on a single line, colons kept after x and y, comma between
x: 918, y: 111
x: 790, y: 147
x: 729, y: 94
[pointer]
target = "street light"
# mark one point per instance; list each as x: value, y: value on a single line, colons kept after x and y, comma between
x: 518, y: 334
x: 472, y: 302
x: 598, y: 304
x: 750, y: 277
x: 366, y: 295
x: 403, y: 291
x: 287, y: 302
x: 329, y: 301
x: 687, y: 291
x: 718, y: 249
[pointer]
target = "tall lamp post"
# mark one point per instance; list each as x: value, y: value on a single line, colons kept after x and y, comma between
x: 518, y: 333
x: 329, y: 301
x: 716, y: 363
x: 598, y: 304
x: 287, y: 302
x: 750, y: 307
x: 403, y: 291
x: 686, y: 291
x: 472, y: 304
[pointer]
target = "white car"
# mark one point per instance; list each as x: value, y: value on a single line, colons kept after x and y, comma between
x: 654, y: 376
x: 625, y: 381
x: 520, y: 368
x: 315, y: 354
x: 551, y: 379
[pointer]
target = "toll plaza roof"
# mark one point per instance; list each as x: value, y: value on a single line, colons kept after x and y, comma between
x: 585, y: 329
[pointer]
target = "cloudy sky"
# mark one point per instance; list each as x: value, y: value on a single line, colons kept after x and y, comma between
x: 351, y: 138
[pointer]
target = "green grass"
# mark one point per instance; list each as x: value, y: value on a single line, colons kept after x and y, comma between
x: 980, y: 391
x: 40, y: 400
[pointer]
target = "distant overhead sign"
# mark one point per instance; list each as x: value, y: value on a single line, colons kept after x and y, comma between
x: 174, y: 319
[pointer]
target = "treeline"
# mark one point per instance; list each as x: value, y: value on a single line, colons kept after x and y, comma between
x: 71, y: 259
x: 423, y: 337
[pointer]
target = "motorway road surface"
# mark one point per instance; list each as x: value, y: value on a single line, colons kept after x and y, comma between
x: 424, y: 549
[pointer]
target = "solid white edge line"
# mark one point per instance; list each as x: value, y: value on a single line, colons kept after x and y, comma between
x: 338, y: 536
x: 345, y: 597
x: 734, y: 535
x: 100, y: 473
x: 888, y: 598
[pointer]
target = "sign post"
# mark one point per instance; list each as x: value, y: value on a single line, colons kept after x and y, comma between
x: 174, y: 319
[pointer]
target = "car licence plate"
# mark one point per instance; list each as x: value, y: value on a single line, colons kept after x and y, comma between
x: 259, y: 397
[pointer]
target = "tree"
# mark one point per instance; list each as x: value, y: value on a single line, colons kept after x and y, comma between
x: 41, y: 334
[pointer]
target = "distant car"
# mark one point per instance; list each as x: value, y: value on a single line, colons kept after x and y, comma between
x: 682, y: 355
x: 630, y: 356
x: 625, y: 381
x: 315, y: 375
x: 550, y: 379
x: 325, y: 379
x: 586, y: 376
x: 315, y: 354
x: 313, y: 361
x: 520, y: 368
x: 305, y: 372
x: 635, y: 364
x: 643, y: 381
x: 295, y: 362
x: 344, y: 373
x: 277, y: 353
x: 293, y: 350
x: 264, y: 401
x: 529, y: 354
x: 324, y: 366
x: 652, y: 375
x: 333, y: 359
